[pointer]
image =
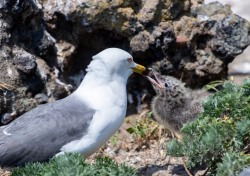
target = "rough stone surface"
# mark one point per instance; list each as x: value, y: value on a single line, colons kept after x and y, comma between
x: 45, y: 45
x: 24, y: 61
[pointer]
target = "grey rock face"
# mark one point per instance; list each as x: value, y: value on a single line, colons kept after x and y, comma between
x: 230, y: 31
x: 245, y: 172
x: 233, y: 29
x: 25, y: 62
x: 205, y: 43
x: 18, y: 59
x: 41, y: 98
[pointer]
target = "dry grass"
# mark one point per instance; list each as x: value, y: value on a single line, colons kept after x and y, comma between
x: 4, y: 86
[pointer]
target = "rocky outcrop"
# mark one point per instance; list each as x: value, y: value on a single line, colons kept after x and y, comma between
x: 46, y: 44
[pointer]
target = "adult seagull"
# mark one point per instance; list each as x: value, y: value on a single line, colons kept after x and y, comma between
x: 81, y: 122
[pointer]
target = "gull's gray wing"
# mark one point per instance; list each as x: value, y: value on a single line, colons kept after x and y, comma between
x: 40, y: 133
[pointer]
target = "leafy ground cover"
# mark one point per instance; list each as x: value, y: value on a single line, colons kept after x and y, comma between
x: 219, y: 138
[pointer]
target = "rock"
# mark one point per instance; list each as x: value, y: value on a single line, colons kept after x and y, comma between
x: 142, y: 41
x: 230, y: 31
x: 211, y: 9
x: 7, y: 118
x: 41, y: 98
x: 25, y: 62
x: 60, y: 91
x: 23, y: 105
x: 233, y: 29
x: 211, y: 41
x: 46, y: 45
x: 149, y: 12
x: 245, y: 172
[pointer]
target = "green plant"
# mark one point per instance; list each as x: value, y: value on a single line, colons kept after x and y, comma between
x: 143, y: 128
x: 114, y: 139
x: 212, y: 85
x: 73, y: 165
x: 223, y: 127
x: 232, y: 164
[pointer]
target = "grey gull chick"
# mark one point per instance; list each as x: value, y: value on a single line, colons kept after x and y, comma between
x: 82, y: 122
x: 174, y: 104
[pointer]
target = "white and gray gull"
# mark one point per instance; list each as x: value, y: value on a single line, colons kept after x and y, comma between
x: 81, y: 122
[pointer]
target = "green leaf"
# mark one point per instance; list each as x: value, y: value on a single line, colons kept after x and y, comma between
x: 72, y: 164
x: 130, y: 130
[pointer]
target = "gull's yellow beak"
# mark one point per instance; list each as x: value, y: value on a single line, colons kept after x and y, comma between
x: 139, y: 69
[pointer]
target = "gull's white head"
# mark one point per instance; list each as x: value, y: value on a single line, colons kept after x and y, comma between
x: 114, y: 62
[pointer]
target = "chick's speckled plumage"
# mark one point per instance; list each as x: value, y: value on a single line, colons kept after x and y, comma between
x: 174, y: 104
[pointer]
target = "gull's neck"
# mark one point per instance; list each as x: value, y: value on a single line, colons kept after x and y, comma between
x: 100, y: 90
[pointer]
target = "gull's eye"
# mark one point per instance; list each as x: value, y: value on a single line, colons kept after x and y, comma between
x: 166, y: 85
x: 130, y: 60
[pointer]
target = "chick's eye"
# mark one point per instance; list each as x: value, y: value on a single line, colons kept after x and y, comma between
x: 130, y: 60
x: 166, y: 85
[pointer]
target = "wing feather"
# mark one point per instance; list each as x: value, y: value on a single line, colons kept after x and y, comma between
x: 40, y: 133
